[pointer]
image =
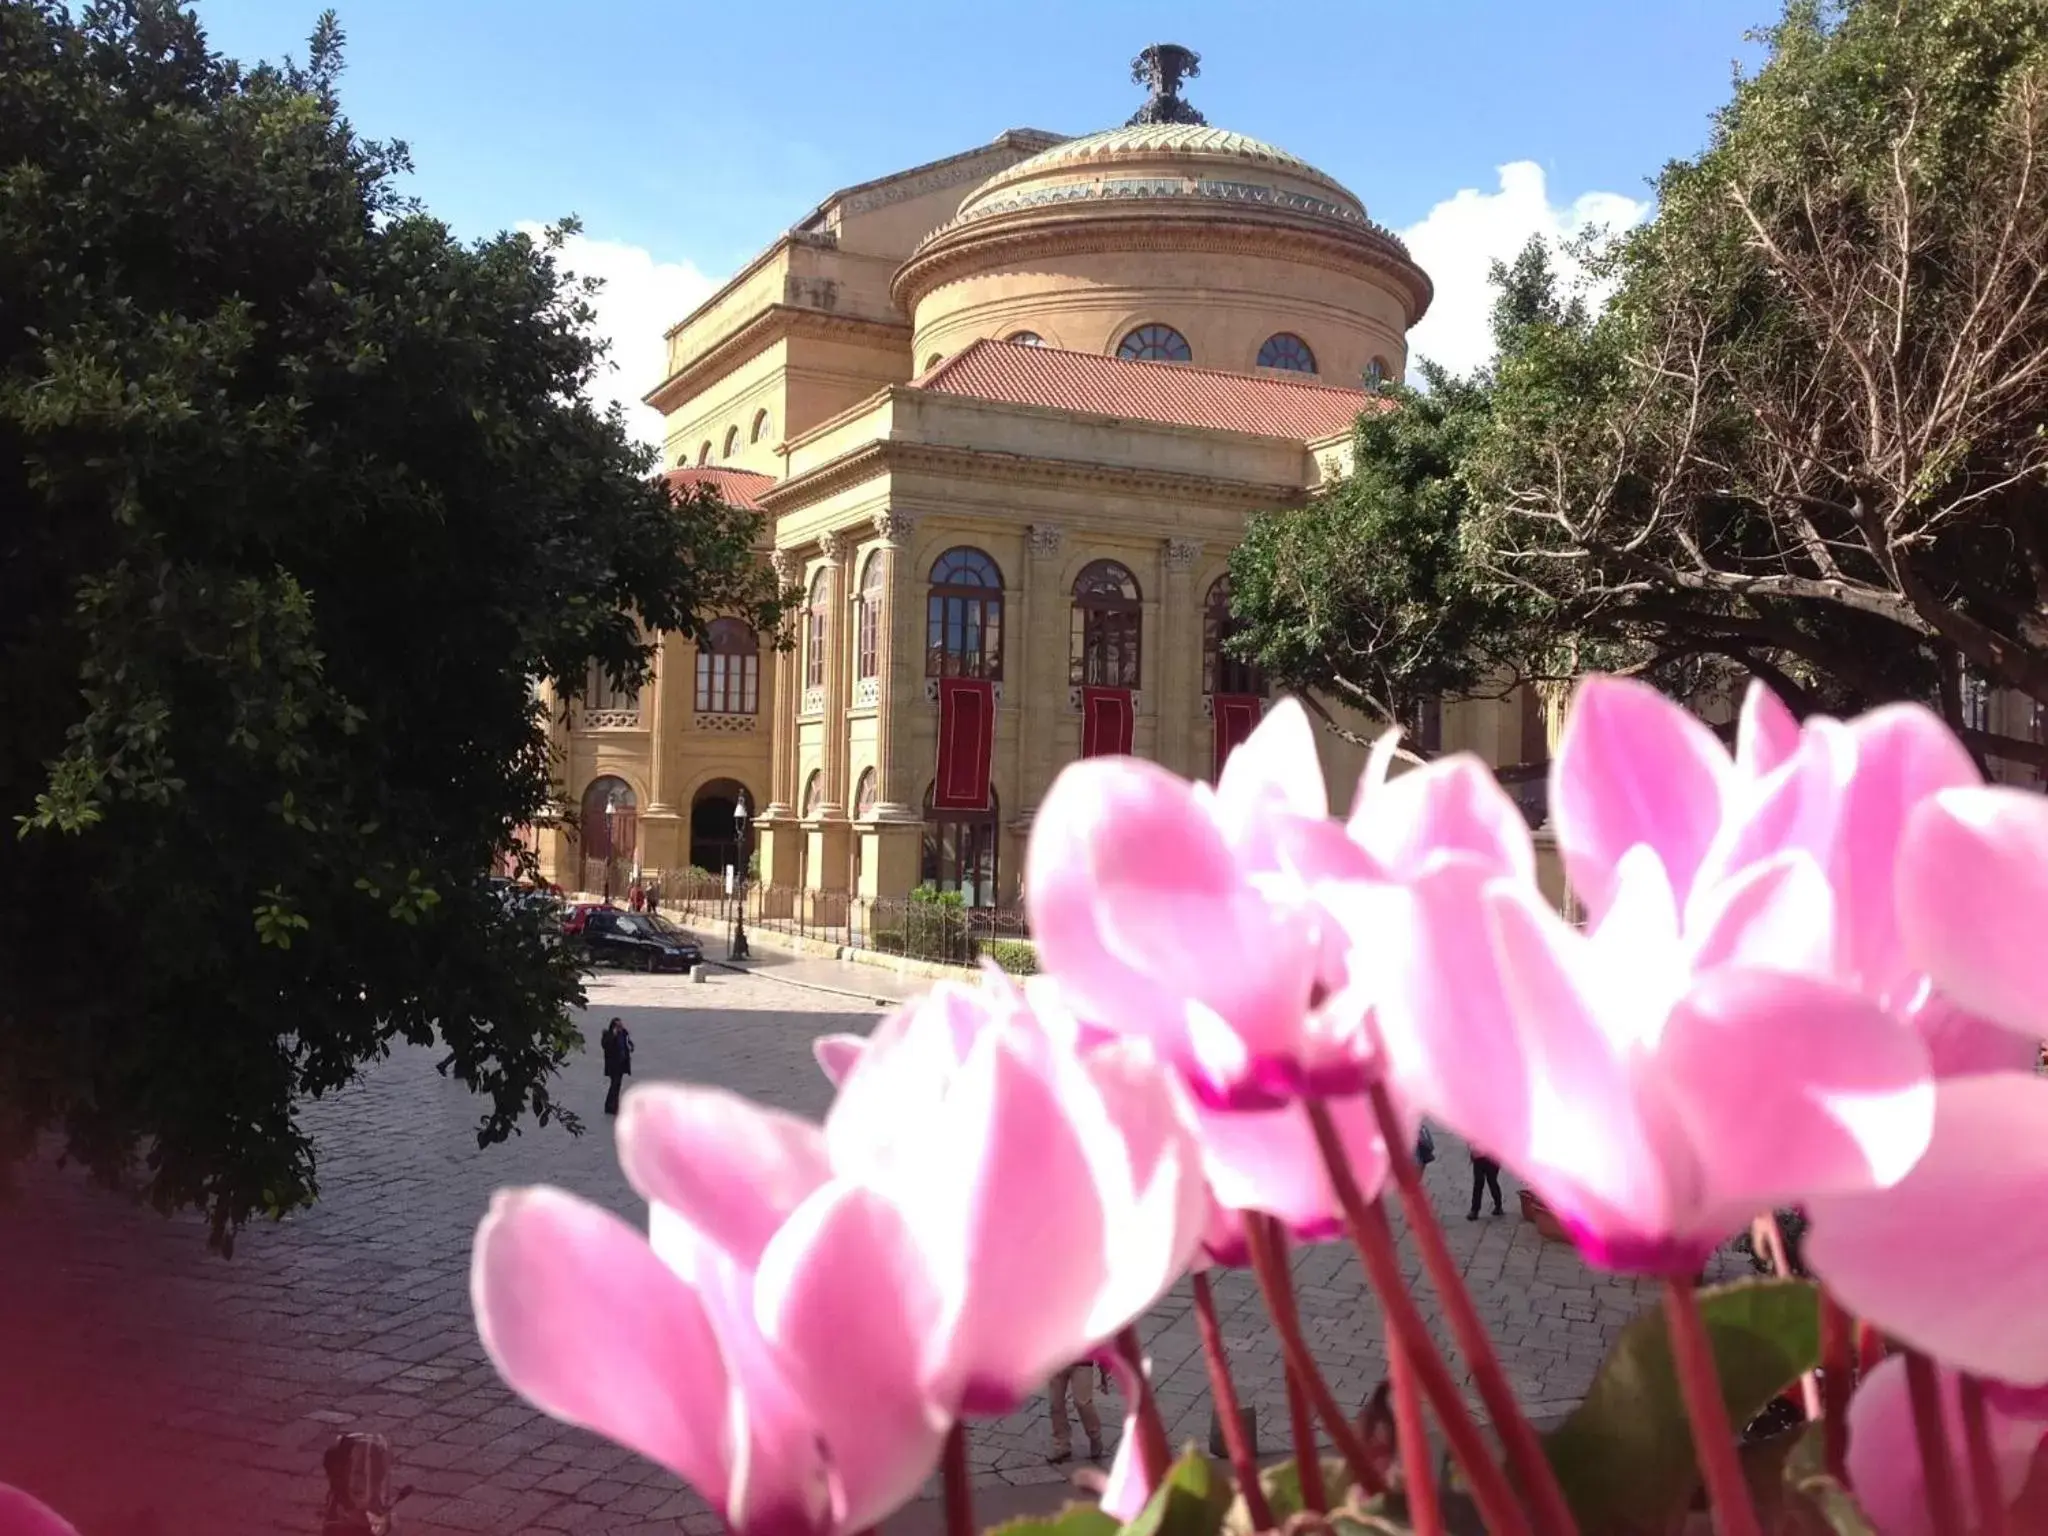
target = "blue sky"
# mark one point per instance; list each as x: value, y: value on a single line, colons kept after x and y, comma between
x: 687, y: 135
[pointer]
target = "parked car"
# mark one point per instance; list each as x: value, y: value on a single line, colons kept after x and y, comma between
x: 577, y: 914
x: 644, y: 941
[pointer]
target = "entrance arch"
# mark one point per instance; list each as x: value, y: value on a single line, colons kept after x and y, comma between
x: 607, y: 832
x: 714, y: 842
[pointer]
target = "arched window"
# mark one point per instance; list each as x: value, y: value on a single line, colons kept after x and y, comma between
x: 814, y: 791
x: 868, y: 633
x: 704, y: 452
x: 1155, y: 344
x: 607, y: 830
x: 864, y: 795
x: 961, y: 851
x: 1025, y: 338
x: 933, y: 361
x: 714, y: 837
x: 1103, y: 637
x: 600, y: 692
x: 1377, y: 372
x: 1221, y: 671
x: 729, y: 670
x: 732, y: 441
x: 817, y: 626
x: 963, y: 628
x: 760, y: 427
x: 1289, y: 351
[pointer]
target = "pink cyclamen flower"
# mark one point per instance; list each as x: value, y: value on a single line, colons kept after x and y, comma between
x: 1884, y: 1465
x: 762, y: 1343
x: 1052, y: 1193
x: 1687, y: 1062
x: 21, y: 1515
x: 1953, y: 1259
x: 1164, y: 910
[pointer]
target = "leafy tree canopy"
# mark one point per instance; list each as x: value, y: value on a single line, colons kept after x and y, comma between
x: 1806, y: 437
x: 299, y: 496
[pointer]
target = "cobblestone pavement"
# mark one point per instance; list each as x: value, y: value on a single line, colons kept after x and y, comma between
x: 151, y: 1389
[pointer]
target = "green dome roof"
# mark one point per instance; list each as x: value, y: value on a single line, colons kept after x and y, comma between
x: 1224, y: 151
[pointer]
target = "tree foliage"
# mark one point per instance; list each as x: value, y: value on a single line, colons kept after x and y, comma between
x: 298, y: 497
x: 1806, y: 436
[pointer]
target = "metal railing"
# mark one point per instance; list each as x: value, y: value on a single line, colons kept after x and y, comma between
x: 923, y: 926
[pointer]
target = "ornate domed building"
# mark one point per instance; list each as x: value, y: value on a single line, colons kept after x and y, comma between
x: 1006, y: 414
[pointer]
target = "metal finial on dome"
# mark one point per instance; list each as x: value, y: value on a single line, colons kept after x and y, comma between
x: 1162, y: 67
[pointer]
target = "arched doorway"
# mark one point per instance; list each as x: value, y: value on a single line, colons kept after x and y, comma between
x: 714, y: 841
x: 608, y: 830
x: 961, y: 851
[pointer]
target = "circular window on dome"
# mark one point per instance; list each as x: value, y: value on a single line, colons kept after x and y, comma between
x: 1288, y: 351
x: 1025, y: 338
x: 1156, y: 344
x: 1377, y: 373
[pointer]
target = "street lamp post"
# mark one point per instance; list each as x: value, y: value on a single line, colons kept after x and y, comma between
x: 611, y: 825
x: 738, y: 950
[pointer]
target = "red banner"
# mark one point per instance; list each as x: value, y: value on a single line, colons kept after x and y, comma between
x: 1107, y: 720
x: 967, y: 741
x: 1237, y: 716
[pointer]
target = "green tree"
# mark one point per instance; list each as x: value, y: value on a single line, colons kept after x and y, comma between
x: 299, y: 496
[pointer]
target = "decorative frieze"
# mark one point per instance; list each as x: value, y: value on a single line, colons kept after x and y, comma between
x: 814, y: 701
x: 1043, y: 540
x: 1181, y: 555
x: 931, y: 691
x: 1074, y: 701
x: 611, y: 720
x: 867, y: 692
x: 741, y: 725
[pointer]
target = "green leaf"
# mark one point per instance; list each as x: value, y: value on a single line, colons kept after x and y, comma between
x: 1625, y: 1456
x: 1281, y: 1483
x: 1820, y: 1506
x: 1075, y: 1519
x: 1190, y: 1501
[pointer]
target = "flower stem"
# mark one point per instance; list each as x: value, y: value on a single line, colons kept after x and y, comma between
x: 1154, y: 1455
x: 1530, y: 1466
x: 1270, y: 1266
x: 1308, y: 1456
x: 1837, y: 1369
x: 1766, y: 1232
x: 1991, y: 1513
x: 1224, y: 1391
x: 1937, y: 1472
x: 959, y: 1491
x: 1411, y: 1434
x: 1374, y: 1240
x: 1712, y: 1435
x: 1870, y: 1348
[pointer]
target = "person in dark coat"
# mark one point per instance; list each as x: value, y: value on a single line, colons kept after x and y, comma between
x: 618, y: 1061
x: 1485, y: 1180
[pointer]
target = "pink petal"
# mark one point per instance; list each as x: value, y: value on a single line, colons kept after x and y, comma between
x: 1267, y: 1160
x: 1884, y: 1452
x: 1767, y: 734
x: 1450, y: 805
x: 731, y: 1168
x: 1904, y: 756
x: 585, y: 1323
x: 1633, y: 768
x: 1127, y: 1490
x: 911, y: 1059
x: 1275, y: 771
x: 997, y: 1187
x: 1973, y: 902
x: 1954, y: 1258
x: 1610, y: 1172
x: 21, y: 1515
x: 1778, y: 914
x: 1961, y: 1044
x: 1795, y: 808
x: 1791, y: 1088
x: 837, y: 1055
x: 842, y: 1295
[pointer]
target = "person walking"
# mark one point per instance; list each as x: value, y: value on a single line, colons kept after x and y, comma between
x: 1079, y: 1380
x: 1485, y: 1179
x: 618, y: 1061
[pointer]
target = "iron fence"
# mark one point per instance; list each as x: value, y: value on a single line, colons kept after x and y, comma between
x: 923, y: 926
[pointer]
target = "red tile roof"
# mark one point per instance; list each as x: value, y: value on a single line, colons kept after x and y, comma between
x: 739, y: 487
x: 1173, y: 393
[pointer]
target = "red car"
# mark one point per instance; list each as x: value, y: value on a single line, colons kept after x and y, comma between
x: 578, y: 915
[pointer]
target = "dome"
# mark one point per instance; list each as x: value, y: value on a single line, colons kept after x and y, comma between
x: 1162, y: 160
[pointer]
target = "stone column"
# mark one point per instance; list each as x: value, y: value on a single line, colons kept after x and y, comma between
x: 1041, y: 681
x: 830, y: 851
x: 665, y: 711
x: 892, y: 855
x: 1177, y: 673
x: 778, y: 836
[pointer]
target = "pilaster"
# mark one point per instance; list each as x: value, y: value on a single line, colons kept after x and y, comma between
x: 782, y: 745
x: 897, y: 692
x: 833, y: 791
x: 1041, y: 693
x: 1176, y: 673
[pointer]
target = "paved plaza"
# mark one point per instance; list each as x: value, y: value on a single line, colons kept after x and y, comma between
x: 149, y: 1388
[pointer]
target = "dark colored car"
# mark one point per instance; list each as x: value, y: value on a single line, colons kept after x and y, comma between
x: 642, y: 941
x: 576, y: 915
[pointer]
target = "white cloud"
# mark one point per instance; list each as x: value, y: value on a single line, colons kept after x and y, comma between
x: 641, y: 298
x: 1461, y: 237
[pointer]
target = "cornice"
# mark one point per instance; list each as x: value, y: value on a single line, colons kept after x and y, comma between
x: 892, y: 456
x: 1166, y: 225
x: 771, y: 325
